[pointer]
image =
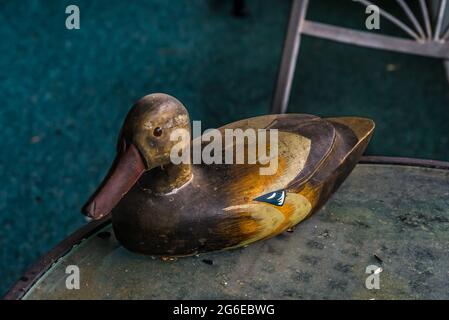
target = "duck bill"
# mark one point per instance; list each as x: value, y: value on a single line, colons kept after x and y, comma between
x: 127, y: 168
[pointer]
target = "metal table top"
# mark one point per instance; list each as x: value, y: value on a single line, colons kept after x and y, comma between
x: 393, y: 216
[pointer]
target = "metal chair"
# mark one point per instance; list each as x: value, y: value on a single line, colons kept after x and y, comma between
x: 426, y: 40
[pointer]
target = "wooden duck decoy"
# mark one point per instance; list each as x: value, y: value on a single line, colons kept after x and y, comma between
x: 161, y: 208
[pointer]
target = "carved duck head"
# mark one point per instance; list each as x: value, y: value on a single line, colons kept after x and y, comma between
x: 144, y: 143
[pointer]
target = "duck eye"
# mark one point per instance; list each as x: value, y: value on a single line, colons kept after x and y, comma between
x: 276, y: 197
x: 157, y: 132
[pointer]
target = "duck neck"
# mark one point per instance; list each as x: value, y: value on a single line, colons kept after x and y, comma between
x: 171, y: 177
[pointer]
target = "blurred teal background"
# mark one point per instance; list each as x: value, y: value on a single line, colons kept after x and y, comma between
x: 65, y: 92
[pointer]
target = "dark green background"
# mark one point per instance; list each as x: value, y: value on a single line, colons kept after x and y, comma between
x: 65, y: 92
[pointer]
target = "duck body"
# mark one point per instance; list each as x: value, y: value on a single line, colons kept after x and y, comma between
x: 225, y: 206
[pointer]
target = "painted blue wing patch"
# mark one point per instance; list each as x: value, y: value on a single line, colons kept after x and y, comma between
x: 276, y: 197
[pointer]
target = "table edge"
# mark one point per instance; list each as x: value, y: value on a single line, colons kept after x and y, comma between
x: 412, y: 162
x: 29, y: 278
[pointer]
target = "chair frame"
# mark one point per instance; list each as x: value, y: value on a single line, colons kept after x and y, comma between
x: 426, y: 40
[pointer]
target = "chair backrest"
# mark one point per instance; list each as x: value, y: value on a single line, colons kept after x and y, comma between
x: 430, y: 38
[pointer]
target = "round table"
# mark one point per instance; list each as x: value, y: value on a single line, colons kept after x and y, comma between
x: 391, y: 213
